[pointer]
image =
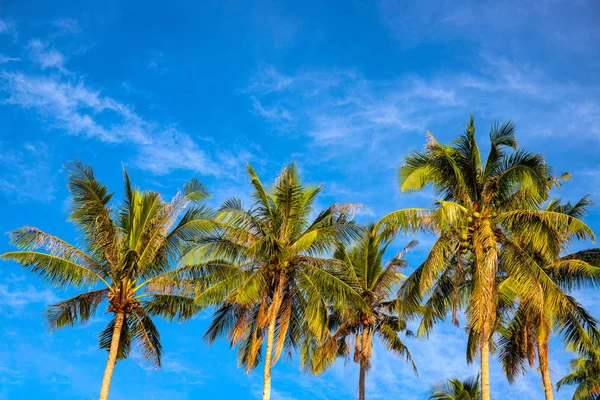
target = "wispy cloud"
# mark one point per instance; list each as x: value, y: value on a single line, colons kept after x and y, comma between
x: 345, y: 109
x: 17, y: 298
x: 73, y: 107
x: 25, y: 173
x: 6, y: 59
x: 8, y: 27
x: 186, y: 374
x: 46, y: 56
x: 340, y: 107
x: 66, y: 26
x: 70, y: 105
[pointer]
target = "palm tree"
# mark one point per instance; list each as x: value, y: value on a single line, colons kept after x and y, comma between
x: 455, y: 389
x: 121, y: 255
x: 376, y: 282
x: 264, y: 269
x: 529, y: 330
x: 585, y: 373
x: 482, y: 206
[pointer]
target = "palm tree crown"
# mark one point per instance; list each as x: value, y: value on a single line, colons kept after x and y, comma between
x: 264, y: 269
x: 483, y: 208
x: 122, y: 254
x: 536, y: 316
x: 455, y: 389
x: 353, y: 329
x: 585, y: 373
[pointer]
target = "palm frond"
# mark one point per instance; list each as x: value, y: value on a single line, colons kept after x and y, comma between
x: 90, y: 211
x: 55, y: 270
x: 78, y: 309
x: 171, y: 307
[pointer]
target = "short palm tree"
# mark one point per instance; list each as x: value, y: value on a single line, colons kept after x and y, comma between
x: 455, y: 389
x: 481, y: 207
x: 532, y: 323
x: 585, y: 373
x: 121, y: 255
x: 265, y: 268
x: 353, y: 330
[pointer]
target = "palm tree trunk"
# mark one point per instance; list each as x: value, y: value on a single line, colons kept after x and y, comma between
x: 485, y: 370
x: 361, y: 381
x: 544, y: 368
x: 112, y: 355
x: 486, y: 263
x: 270, y: 340
x: 268, y: 358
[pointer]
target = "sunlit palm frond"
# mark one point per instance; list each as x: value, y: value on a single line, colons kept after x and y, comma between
x: 78, y: 309
x: 29, y: 238
x: 90, y: 211
x: 53, y: 269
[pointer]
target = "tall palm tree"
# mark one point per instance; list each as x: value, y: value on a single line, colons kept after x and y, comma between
x: 455, y: 389
x: 532, y: 323
x: 121, y: 254
x: 264, y: 268
x: 481, y: 206
x: 377, y: 282
x: 585, y: 373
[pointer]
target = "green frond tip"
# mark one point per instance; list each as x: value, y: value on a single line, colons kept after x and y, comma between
x: 195, y: 191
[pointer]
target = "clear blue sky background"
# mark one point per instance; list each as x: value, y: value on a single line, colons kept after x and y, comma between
x: 180, y: 89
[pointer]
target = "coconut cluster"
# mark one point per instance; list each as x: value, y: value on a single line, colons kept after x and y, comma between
x: 366, y: 319
x: 272, y: 269
x: 466, y: 242
x: 466, y: 233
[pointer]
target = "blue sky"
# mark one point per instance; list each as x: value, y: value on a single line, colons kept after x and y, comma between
x: 181, y: 89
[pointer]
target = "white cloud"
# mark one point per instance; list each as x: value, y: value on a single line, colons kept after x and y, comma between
x: 8, y: 27
x: 6, y: 59
x: 16, y: 299
x: 72, y: 106
x: 338, y: 108
x: 275, y: 113
x: 66, y: 26
x: 46, y: 56
x: 172, y: 149
x: 276, y: 395
x: 68, y: 104
x: 268, y: 79
x: 186, y: 375
x: 344, y: 110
